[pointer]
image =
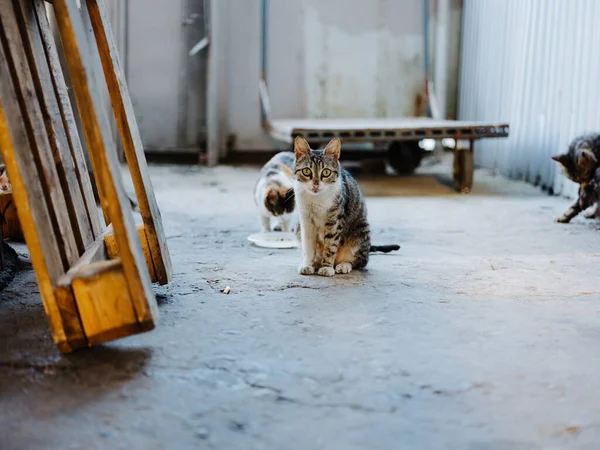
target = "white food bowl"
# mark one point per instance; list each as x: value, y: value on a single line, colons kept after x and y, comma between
x: 274, y: 239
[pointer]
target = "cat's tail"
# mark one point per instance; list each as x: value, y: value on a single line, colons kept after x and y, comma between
x: 383, y: 248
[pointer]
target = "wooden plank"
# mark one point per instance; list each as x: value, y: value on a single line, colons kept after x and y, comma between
x: 28, y: 192
x: 113, y: 250
x: 69, y: 312
x: 104, y: 159
x: 463, y: 168
x: 66, y: 297
x: 51, y: 16
x: 103, y: 301
x: 97, y: 293
x: 132, y: 143
x: 34, y: 120
x: 383, y: 129
x: 65, y: 167
x: 381, y: 123
x: 68, y: 118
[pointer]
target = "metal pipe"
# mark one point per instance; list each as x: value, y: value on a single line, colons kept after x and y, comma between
x: 263, y: 55
x: 213, y: 100
x: 426, y: 36
x: 264, y: 37
x: 205, y: 41
x: 440, y: 74
x: 426, y: 56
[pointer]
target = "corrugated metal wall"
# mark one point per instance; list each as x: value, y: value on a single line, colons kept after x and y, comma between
x: 535, y: 64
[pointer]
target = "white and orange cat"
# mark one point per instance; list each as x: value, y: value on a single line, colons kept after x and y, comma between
x: 274, y: 193
x: 5, y: 187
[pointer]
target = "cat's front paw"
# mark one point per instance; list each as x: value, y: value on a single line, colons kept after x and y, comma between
x: 326, y: 271
x: 562, y: 219
x: 306, y: 270
x: 343, y: 268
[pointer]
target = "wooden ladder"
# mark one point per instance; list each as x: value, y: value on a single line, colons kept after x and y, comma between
x: 94, y: 275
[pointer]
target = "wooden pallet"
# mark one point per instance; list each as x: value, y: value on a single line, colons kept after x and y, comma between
x: 94, y: 275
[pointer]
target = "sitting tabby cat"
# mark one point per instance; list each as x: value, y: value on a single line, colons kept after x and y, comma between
x: 579, y: 164
x: 274, y: 194
x: 333, y: 229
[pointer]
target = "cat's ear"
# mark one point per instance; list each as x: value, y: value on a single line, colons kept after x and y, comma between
x: 333, y: 148
x: 301, y: 147
x: 562, y: 158
x: 586, y: 160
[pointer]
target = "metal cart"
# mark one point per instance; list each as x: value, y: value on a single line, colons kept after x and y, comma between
x: 401, y: 136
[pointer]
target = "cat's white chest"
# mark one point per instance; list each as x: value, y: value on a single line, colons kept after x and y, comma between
x: 314, y: 208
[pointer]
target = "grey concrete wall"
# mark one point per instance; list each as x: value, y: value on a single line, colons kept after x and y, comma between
x: 326, y: 58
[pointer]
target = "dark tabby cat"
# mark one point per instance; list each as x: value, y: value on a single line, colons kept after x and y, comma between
x: 589, y: 194
x: 274, y: 193
x: 333, y: 229
x: 579, y: 164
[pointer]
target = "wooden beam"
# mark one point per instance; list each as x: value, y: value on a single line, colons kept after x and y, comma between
x: 105, y: 160
x: 65, y: 166
x: 132, y: 142
x: 98, y: 289
x: 68, y: 117
x: 104, y: 304
x: 112, y: 249
x: 463, y: 167
x: 32, y: 115
x: 33, y: 211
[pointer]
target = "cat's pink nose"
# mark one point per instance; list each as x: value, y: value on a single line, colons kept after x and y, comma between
x: 4, y: 187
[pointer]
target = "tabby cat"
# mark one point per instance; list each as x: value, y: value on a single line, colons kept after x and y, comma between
x: 589, y: 194
x: 333, y: 228
x: 578, y: 164
x: 274, y: 194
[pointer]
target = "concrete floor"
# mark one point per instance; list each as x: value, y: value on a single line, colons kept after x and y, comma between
x: 482, y: 332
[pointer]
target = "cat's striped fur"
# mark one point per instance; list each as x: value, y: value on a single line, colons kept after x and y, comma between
x: 579, y: 164
x: 333, y: 230
x: 274, y: 194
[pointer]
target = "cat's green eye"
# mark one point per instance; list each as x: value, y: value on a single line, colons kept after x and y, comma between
x: 306, y: 172
x: 326, y: 172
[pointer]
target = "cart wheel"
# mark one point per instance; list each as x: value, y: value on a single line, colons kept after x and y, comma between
x: 404, y: 156
x: 463, y: 169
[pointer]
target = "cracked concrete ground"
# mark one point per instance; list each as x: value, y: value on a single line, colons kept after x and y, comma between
x: 482, y: 332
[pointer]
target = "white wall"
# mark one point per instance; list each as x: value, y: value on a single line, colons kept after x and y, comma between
x: 326, y: 58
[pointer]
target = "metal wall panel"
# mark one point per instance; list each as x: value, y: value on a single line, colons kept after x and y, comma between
x: 535, y: 64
